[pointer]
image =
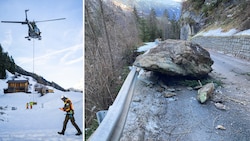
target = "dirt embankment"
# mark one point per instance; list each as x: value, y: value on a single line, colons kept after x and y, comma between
x: 155, y: 117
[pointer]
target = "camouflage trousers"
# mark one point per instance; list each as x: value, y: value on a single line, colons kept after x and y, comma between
x: 72, y: 119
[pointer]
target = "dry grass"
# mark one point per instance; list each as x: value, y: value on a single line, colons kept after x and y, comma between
x: 228, y: 17
x: 234, y: 16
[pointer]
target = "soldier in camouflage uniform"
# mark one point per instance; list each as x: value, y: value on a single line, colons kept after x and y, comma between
x: 69, y: 109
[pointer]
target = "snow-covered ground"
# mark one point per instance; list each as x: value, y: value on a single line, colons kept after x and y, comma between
x: 245, y: 32
x: 43, y: 121
x: 147, y: 46
x: 220, y: 32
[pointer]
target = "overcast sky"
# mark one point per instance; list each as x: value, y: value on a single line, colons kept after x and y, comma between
x: 59, y: 55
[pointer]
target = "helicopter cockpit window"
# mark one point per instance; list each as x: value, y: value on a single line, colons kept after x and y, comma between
x: 33, y: 25
x: 37, y: 30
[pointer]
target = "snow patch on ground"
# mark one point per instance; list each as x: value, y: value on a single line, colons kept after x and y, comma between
x: 219, y: 32
x: 245, y: 32
x: 147, y: 46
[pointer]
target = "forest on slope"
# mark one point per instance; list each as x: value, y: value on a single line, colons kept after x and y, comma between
x: 8, y: 63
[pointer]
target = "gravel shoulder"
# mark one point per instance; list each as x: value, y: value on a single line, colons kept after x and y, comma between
x: 154, y: 117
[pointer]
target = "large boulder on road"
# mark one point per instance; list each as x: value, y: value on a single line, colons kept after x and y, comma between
x: 177, y: 58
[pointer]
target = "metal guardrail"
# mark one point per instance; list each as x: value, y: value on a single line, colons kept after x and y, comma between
x: 112, y: 125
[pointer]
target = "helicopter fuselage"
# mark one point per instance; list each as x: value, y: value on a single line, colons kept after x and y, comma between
x: 34, y: 31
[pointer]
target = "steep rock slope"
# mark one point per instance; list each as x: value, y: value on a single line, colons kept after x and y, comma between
x: 209, y: 14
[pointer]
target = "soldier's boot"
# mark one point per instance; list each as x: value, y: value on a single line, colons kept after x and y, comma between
x: 60, y: 133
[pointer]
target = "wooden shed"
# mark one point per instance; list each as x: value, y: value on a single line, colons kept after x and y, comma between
x: 17, y: 86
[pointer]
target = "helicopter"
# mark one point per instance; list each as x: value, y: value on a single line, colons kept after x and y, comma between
x: 33, y: 32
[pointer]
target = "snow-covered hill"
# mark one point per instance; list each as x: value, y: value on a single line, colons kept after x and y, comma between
x: 43, y: 121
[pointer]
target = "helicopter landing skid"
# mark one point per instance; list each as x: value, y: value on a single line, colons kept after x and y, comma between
x: 28, y: 38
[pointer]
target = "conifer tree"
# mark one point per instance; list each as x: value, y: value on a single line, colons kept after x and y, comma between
x: 165, y: 25
x: 175, y: 28
x: 152, y: 24
x: 2, y: 66
x: 6, y: 63
x: 145, y: 35
x: 136, y: 15
x: 143, y: 26
x: 12, y: 67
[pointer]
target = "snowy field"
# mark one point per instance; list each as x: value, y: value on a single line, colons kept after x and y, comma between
x: 43, y: 121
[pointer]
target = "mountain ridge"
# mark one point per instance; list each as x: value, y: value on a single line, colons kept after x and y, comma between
x: 38, y: 78
x: 8, y: 63
x: 145, y: 6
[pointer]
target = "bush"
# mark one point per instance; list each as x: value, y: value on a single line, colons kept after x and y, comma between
x: 197, y: 4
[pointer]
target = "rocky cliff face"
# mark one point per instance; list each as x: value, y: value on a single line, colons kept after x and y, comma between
x: 191, y: 23
x: 208, y: 14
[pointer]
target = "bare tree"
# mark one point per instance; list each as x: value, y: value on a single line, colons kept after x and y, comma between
x: 109, y: 33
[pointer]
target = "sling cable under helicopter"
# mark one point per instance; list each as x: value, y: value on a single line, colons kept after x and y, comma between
x: 34, y: 33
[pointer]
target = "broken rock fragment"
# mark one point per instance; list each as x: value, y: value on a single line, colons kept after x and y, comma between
x: 169, y: 94
x: 205, y: 92
x: 220, y: 127
x: 220, y: 106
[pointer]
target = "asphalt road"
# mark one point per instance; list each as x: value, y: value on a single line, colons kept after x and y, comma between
x: 153, y: 117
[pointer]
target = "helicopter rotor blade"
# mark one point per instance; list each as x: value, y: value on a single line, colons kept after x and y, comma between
x: 51, y: 20
x: 15, y: 22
